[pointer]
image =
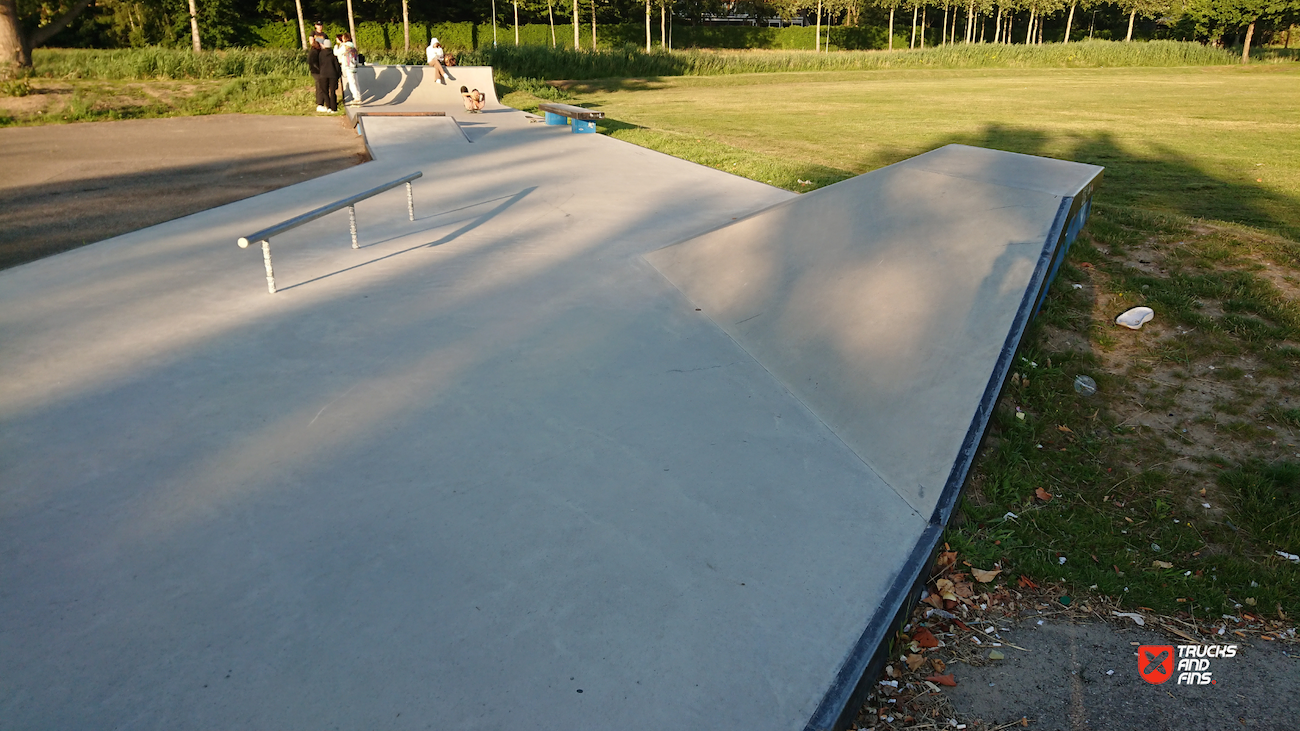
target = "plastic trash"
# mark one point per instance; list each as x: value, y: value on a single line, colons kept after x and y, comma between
x: 1288, y: 556
x: 1135, y: 318
x: 1084, y: 385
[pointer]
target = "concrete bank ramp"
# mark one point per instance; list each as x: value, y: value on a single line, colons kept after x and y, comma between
x: 890, y: 303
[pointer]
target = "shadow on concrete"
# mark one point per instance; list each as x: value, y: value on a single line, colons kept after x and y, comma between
x: 470, y: 226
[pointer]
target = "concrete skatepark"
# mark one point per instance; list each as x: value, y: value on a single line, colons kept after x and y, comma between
x: 602, y: 439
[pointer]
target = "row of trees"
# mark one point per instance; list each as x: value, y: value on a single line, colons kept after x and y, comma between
x: 25, y: 24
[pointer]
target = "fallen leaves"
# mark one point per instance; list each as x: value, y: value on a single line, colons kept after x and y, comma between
x: 1161, y: 565
x: 914, y: 661
x: 1042, y: 494
x: 924, y: 638
x: 947, y: 680
x: 983, y: 576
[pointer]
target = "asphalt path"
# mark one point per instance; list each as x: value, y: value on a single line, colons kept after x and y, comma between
x: 67, y: 185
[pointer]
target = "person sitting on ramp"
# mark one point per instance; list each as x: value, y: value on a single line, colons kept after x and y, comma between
x: 435, y: 56
x: 473, y: 100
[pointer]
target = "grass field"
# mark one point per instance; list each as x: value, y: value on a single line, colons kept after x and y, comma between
x: 1198, y: 217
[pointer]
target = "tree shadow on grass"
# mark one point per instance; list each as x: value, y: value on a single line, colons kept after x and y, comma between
x: 1163, y: 180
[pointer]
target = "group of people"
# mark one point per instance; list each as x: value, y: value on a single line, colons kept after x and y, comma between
x: 334, y: 61
x: 331, y: 62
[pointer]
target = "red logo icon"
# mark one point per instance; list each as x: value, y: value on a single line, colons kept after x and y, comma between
x: 1156, y: 663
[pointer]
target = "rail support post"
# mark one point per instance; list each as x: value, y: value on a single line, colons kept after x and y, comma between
x: 266, y: 259
x: 352, y: 224
x: 410, y: 201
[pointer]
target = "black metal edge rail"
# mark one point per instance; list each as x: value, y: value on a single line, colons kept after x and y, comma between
x: 264, y: 236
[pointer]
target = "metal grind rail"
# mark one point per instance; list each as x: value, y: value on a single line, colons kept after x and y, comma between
x: 264, y: 236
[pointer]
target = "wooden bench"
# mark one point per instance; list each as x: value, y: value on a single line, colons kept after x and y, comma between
x: 583, y: 119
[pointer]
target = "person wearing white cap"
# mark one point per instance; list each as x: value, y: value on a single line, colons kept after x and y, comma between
x: 435, y: 55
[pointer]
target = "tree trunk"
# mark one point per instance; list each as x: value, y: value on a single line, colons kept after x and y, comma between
x: 1040, y: 30
x: 516, y: 22
x: 550, y: 15
x: 577, y: 44
x: 1029, y: 33
x: 194, y: 28
x: 593, y: 25
x: 970, y: 22
x: 1068, y: 22
x: 1011, y: 22
x: 1093, y: 25
x: 891, y: 27
x: 15, y: 56
x: 302, y: 27
x: 997, y: 27
x: 663, y: 25
x: 912, y: 43
x: 1245, y: 49
x: 494, y: 22
x: 922, y: 46
x: 647, y: 26
x: 943, y: 34
x: 352, y: 22
x: 817, y: 44
x: 1131, y: 17
x: 406, y: 24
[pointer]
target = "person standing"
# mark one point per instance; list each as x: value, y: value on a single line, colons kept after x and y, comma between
x: 313, y: 64
x: 346, y: 52
x: 435, y: 55
x: 325, y: 69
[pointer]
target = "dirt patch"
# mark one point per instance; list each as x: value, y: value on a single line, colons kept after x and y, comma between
x: 75, y: 184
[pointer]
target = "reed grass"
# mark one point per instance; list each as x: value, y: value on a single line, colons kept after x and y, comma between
x: 561, y: 63
x: 167, y: 63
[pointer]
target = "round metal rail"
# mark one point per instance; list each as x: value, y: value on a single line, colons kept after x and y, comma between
x: 264, y: 236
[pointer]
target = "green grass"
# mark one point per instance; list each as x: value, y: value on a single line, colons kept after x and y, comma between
x: 1211, y: 142
x: 1126, y: 495
x: 1198, y: 216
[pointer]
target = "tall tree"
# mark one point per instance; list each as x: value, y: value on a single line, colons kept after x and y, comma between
x: 1214, y: 17
x: 406, y: 24
x: 647, y: 26
x: 577, y: 21
x: 16, y: 45
x: 352, y: 23
x: 194, y: 28
x: 550, y: 16
x: 516, y: 22
x: 302, y: 27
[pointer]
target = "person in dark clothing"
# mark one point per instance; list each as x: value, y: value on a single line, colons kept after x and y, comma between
x: 325, y: 70
x: 313, y: 65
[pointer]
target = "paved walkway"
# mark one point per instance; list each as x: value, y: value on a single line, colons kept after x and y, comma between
x: 66, y: 185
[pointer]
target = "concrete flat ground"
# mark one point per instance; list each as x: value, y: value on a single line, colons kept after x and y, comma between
x: 67, y: 185
x: 493, y: 467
